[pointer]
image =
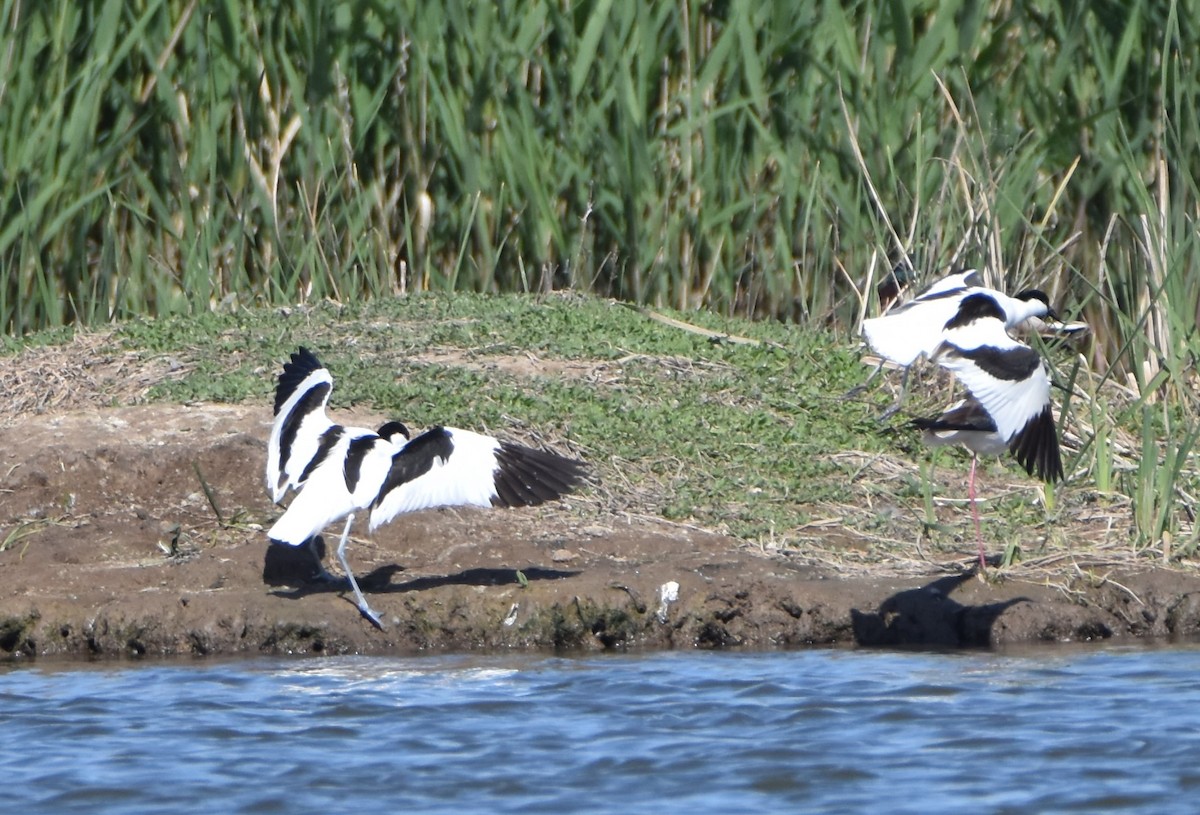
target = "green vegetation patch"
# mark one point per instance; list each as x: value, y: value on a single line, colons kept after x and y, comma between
x: 701, y: 429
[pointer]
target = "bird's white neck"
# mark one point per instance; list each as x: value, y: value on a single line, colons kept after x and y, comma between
x: 1019, y: 311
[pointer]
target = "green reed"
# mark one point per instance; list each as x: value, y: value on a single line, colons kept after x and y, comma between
x: 171, y: 156
x: 689, y: 153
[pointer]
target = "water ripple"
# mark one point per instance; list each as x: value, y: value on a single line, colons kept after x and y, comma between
x: 1060, y: 730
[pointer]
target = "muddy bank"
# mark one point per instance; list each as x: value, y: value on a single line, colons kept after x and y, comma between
x: 138, y: 531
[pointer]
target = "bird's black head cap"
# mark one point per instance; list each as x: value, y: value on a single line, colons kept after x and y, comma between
x: 1039, y: 295
x: 392, y: 429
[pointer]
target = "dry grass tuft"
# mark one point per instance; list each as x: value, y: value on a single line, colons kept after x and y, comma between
x: 89, y: 370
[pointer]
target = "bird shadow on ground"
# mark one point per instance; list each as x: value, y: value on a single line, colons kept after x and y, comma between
x: 928, y: 616
x: 474, y: 577
x: 300, y: 569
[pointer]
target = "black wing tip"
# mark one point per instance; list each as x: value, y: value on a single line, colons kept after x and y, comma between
x: 526, y: 476
x: 302, y: 363
x: 1036, y: 447
x: 971, y: 277
x: 303, y: 360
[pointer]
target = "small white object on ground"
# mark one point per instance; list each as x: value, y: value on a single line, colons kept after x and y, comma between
x: 512, y: 614
x: 667, y: 593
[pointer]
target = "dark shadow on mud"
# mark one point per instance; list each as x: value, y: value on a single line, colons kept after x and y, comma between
x: 301, y: 569
x: 928, y: 616
x: 479, y: 577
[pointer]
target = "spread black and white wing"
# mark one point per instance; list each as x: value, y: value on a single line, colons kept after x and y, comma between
x: 447, y: 466
x: 300, y: 423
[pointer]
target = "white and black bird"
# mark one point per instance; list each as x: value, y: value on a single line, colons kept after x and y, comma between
x: 340, y: 470
x: 916, y: 329
x: 1007, y: 408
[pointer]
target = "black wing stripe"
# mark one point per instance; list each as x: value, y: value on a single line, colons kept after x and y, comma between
x: 976, y: 307
x: 968, y: 416
x: 940, y: 423
x: 329, y: 440
x: 312, y: 400
x: 923, y: 299
x: 415, y: 459
x: 1014, y: 364
x: 352, y: 468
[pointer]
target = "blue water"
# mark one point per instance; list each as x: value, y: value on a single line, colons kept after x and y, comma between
x: 1046, y: 730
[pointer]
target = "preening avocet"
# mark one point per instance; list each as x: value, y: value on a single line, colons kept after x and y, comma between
x: 1008, y: 396
x: 339, y: 470
x: 915, y: 329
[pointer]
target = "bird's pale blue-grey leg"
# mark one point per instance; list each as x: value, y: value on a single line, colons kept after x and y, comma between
x: 860, y: 389
x: 975, y: 513
x: 362, y: 601
x: 891, y: 411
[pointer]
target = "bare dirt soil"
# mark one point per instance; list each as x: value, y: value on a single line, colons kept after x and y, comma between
x: 138, y: 531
